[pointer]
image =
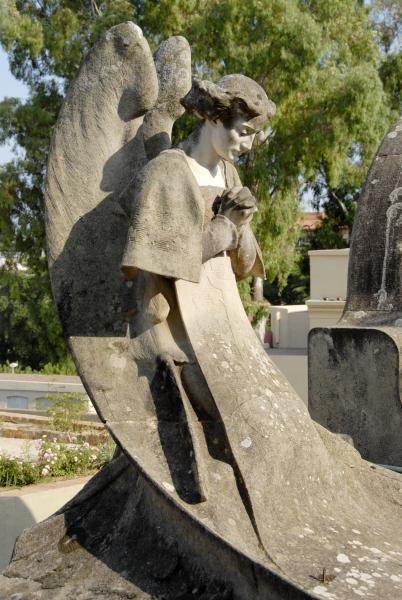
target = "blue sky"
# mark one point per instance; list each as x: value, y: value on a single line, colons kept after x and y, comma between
x: 9, y: 86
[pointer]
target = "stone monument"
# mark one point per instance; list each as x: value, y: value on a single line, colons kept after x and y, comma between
x: 355, y: 367
x: 223, y: 486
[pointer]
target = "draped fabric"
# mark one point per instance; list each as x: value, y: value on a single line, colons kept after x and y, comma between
x: 167, y: 216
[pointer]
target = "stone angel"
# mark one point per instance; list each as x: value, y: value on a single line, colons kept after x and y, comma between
x: 145, y: 243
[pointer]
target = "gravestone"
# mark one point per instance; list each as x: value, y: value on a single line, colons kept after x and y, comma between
x: 355, y: 367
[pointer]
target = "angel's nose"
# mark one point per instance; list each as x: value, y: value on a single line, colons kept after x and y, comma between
x: 247, y: 143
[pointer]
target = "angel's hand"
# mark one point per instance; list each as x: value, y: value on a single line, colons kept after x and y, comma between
x: 238, y: 205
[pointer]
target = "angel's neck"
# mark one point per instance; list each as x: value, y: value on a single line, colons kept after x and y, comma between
x: 200, y: 148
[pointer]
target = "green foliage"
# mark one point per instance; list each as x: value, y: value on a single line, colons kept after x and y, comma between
x: 255, y: 310
x: 55, y: 459
x: 66, y: 367
x: 331, y: 67
x: 58, y: 459
x: 65, y: 410
x: 30, y: 331
x: 391, y: 75
x: 16, y: 472
x: 297, y: 288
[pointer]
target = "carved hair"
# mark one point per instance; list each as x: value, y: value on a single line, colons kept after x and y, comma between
x: 228, y: 98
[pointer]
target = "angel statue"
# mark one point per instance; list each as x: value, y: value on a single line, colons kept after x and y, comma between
x: 224, y: 487
x: 190, y: 218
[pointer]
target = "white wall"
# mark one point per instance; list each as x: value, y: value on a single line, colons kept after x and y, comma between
x: 328, y: 279
x: 324, y: 313
x: 289, y: 326
x: 23, y: 391
x: 293, y: 364
x: 328, y: 274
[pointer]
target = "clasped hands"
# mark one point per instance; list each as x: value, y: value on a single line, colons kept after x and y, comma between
x: 237, y: 204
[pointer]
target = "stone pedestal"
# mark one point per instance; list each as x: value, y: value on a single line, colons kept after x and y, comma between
x: 354, y: 388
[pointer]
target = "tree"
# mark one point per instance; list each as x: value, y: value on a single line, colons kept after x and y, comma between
x: 318, y: 60
x: 339, y: 200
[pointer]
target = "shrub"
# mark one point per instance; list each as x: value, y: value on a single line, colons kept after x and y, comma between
x: 65, y: 367
x: 64, y: 410
x: 17, y: 472
x: 55, y: 459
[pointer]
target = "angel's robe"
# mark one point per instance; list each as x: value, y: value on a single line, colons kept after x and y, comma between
x: 165, y: 235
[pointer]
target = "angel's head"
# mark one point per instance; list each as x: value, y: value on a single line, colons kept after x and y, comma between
x: 234, y: 110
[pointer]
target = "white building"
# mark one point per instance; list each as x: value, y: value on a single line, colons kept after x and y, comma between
x: 290, y: 324
x: 27, y: 392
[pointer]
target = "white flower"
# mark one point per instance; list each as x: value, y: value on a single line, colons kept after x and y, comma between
x: 93, y: 457
x: 44, y: 436
x: 45, y: 472
x: 54, y: 440
x: 85, y: 445
x: 75, y: 459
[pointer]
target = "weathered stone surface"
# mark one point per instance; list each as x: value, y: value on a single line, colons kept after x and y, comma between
x: 375, y: 258
x: 355, y: 367
x: 173, y: 66
x: 354, y: 389
x: 110, y: 542
x: 229, y: 489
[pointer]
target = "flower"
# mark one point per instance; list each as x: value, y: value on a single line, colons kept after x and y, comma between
x: 45, y: 472
x: 75, y: 459
x: 44, y: 436
x: 85, y: 445
x: 93, y: 457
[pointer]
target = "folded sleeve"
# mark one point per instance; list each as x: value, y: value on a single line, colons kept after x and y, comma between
x: 219, y: 235
x: 246, y: 258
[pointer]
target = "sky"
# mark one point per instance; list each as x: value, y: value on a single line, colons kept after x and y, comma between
x: 9, y: 86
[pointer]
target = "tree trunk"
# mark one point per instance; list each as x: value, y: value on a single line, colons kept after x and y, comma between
x: 257, y: 289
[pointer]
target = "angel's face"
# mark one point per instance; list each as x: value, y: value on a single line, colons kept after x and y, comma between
x: 231, y: 141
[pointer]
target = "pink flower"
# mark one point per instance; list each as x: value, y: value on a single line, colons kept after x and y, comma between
x: 45, y: 472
